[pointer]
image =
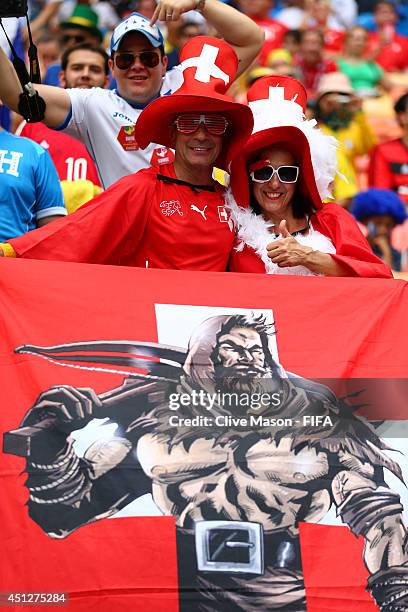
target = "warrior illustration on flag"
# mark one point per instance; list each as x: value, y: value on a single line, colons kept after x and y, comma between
x: 238, y: 476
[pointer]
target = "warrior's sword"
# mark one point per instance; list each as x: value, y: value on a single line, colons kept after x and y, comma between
x: 143, y: 355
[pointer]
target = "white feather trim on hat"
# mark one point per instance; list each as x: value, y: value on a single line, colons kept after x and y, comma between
x: 278, y: 112
x: 253, y: 231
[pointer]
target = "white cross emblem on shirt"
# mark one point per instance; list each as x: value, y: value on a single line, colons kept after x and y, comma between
x: 206, y: 66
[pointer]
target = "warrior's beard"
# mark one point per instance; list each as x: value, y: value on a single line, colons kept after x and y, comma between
x: 244, y: 383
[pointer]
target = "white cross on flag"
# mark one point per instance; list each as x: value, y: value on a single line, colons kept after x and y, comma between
x: 206, y: 66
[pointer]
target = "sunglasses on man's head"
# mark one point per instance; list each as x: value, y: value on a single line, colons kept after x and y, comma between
x: 126, y: 59
x: 262, y: 172
x: 77, y: 38
x: 190, y: 123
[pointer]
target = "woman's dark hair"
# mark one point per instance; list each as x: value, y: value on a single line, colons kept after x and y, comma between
x: 401, y: 104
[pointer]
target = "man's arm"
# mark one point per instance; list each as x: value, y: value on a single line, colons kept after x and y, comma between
x: 234, y: 27
x: 57, y: 99
x: 66, y: 491
x: 45, y: 15
x: 46, y: 220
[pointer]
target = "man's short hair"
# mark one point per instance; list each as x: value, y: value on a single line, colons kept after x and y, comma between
x: 86, y: 47
x: 46, y: 37
x: 295, y: 34
x: 305, y: 33
x: 387, y: 3
x: 401, y: 104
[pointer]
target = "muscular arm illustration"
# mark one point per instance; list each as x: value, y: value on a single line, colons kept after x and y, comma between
x: 374, y: 511
x: 68, y: 491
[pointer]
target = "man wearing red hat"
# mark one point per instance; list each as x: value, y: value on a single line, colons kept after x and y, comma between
x: 173, y: 216
x: 104, y: 120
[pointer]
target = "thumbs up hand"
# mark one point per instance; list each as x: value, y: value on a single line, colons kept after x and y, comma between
x: 287, y: 251
x: 283, y: 230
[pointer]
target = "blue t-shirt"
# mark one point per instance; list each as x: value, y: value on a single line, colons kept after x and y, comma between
x: 29, y: 186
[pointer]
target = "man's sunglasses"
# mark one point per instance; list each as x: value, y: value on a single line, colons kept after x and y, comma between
x: 262, y: 172
x: 77, y: 38
x: 190, y: 123
x: 149, y: 59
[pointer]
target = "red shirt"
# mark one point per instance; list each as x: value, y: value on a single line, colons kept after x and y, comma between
x: 140, y: 221
x: 310, y: 75
x: 389, y: 167
x: 70, y: 157
x: 394, y: 56
x: 274, y: 32
x: 333, y: 41
x: 389, y: 170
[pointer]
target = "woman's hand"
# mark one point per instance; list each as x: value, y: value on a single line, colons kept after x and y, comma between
x: 287, y: 252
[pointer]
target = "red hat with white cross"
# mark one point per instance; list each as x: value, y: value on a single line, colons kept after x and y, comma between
x: 278, y: 104
x: 209, y: 66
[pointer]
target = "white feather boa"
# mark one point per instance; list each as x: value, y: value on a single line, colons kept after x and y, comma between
x: 252, y: 230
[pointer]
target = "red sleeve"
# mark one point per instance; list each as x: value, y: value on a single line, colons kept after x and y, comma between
x: 379, y: 173
x: 352, y: 249
x: 246, y: 261
x: 106, y: 230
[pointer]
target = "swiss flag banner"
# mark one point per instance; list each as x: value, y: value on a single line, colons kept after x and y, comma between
x: 202, y: 441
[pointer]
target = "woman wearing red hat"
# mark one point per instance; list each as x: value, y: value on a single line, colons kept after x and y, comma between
x: 278, y: 183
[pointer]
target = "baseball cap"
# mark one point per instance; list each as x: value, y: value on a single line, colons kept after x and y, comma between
x: 136, y: 23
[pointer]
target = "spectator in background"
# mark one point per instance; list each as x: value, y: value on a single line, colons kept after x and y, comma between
x: 259, y: 11
x: 339, y: 113
x: 319, y: 16
x: 41, y: 13
x: 342, y: 13
x: 30, y: 194
x: 291, y: 41
x: 365, y: 75
x: 292, y: 14
x: 82, y: 67
x: 80, y: 27
x: 49, y: 51
x: 146, y: 7
x: 184, y: 32
x: 380, y: 210
x: 310, y: 62
x: 389, y: 169
x: 389, y: 160
x: 386, y: 47
x: 280, y: 61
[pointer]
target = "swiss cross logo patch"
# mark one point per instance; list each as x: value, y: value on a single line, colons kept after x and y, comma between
x: 170, y: 207
x: 222, y: 214
x: 127, y: 138
x: 224, y: 218
x: 161, y: 156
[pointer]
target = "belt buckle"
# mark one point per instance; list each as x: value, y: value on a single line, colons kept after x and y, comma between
x: 229, y: 546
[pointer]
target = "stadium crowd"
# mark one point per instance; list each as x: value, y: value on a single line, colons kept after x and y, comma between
x: 351, y: 56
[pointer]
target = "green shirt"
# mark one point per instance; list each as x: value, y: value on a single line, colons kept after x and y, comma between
x: 364, y: 75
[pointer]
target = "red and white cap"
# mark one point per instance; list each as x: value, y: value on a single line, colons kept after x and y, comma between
x: 209, y: 67
x: 278, y: 104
